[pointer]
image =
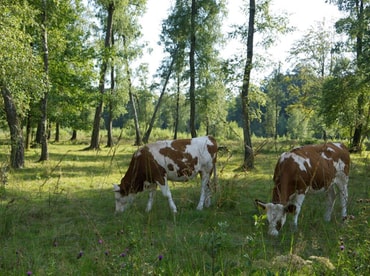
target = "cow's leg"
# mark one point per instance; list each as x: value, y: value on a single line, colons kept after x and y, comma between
x: 298, y: 205
x: 330, y: 202
x: 204, y: 191
x: 150, y: 201
x: 342, y: 186
x: 207, y: 202
x: 167, y: 193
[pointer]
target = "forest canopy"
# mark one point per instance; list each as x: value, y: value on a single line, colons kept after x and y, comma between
x: 70, y: 64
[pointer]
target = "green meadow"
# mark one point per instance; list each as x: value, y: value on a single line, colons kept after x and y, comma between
x: 57, y: 218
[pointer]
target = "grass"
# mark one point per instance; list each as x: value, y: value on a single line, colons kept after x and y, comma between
x: 57, y: 218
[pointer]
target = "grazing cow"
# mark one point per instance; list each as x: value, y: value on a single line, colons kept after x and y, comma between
x: 307, y: 169
x: 177, y: 160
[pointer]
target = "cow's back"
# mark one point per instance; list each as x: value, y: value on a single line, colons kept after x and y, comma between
x: 312, y: 166
x: 183, y: 159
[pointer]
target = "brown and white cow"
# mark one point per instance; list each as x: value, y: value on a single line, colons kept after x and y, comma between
x: 177, y: 160
x: 307, y: 169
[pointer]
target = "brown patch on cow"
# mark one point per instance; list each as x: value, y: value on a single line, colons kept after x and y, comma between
x: 278, y: 225
x: 212, y: 149
x: 142, y: 168
x: 290, y: 209
x: 170, y: 167
x: 180, y: 145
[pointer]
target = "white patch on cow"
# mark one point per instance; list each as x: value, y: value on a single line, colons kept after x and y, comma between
x: 338, y: 145
x: 298, y: 159
x: 329, y: 202
x: 323, y: 155
x: 167, y: 193
x: 298, y: 201
x: 339, y: 166
x: 122, y: 202
x: 276, y: 217
x: 341, y: 181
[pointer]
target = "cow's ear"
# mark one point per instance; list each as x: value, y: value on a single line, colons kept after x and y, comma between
x: 260, y: 204
x: 116, y: 188
x: 290, y: 208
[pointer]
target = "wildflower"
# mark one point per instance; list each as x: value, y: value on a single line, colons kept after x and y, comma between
x: 29, y: 272
x: 122, y: 254
x: 100, y: 241
x: 341, y: 247
x: 160, y: 257
x: 80, y: 254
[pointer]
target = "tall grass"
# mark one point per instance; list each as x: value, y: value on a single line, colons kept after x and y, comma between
x: 57, y: 218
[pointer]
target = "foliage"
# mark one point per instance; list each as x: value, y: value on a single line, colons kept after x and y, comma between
x: 21, y: 71
x: 354, y: 24
x: 315, y: 50
x: 176, y: 37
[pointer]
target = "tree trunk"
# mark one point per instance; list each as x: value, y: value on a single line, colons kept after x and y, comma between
x: 38, y: 134
x: 356, y: 139
x: 74, y: 135
x: 48, y: 136
x: 16, y: 137
x: 44, y: 101
x: 192, y: 69
x: 94, y: 142
x: 151, y: 124
x: 177, y: 108
x: 57, y: 132
x: 248, y: 149
x: 27, y: 145
x: 138, y: 141
x: 109, y: 126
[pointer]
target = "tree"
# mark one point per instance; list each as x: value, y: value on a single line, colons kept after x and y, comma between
x: 71, y: 69
x: 315, y: 49
x: 59, y: 39
x: 119, y: 21
x: 356, y: 25
x: 339, y: 103
x: 151, y: 124
x: 248, y: 150
x: 44, y: 101
x: 274, y: 89
x: 190, y: 35
x: 260, y: 21
x: 109, y: 8
x: 21, y: 76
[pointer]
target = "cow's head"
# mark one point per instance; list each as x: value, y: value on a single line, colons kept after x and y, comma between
x: 122, y: 202
x: 276, y: 216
